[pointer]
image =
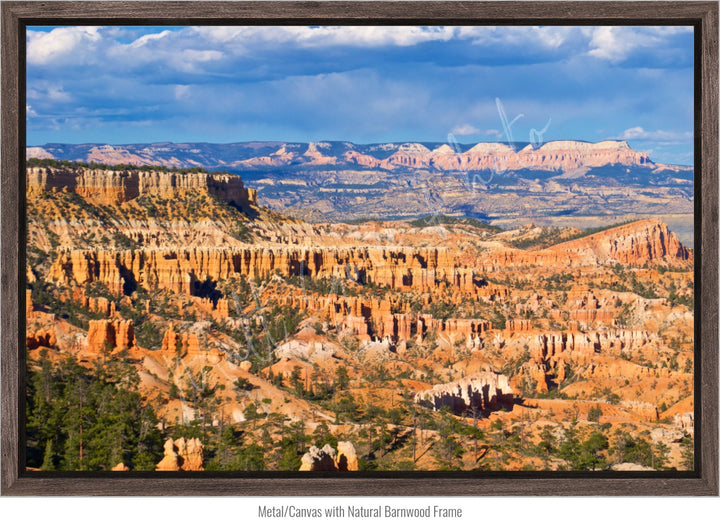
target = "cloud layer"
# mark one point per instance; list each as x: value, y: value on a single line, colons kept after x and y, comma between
x: 363, y: 84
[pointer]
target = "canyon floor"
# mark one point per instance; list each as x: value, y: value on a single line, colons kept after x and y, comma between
x: 433, y: 343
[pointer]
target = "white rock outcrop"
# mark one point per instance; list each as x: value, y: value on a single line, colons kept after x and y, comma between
x: 486, y: 391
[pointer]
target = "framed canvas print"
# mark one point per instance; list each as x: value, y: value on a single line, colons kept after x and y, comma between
x: 365, y: 248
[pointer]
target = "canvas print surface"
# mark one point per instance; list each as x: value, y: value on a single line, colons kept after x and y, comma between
x: 360, y: 248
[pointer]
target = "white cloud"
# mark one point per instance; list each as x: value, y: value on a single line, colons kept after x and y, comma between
x: 555, y: 36
x: 201, y: 55
x: 493, y: 133
x: 549, y: 37
x: 639, y: 134
x: 272, y: 76
x: 465, y: 129
x: 469, y: 129
x: 60, y: 44
x: 46, y: 91
x: 146, y: 39
x: 360, y: 36
x: 616, y: 43
x: 607, y: 44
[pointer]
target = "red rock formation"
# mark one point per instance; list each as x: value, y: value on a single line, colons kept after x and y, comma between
x: 191, y: 344
x: 29, y: 307
x: 108, y: 187
x: 97, y: 304
x: 191, y: 453
x: 171, y: 342
x: 518, y: 325
x: 371, y: 318
x: 188, y: 343
x: 357, y: 326
x: 585, y: 308
x: 222, y: 309
x: 604, y: 316
x: 101, y: 305
x: 346, y: 458
x: 553, y: 351
x: 557, y: 155
x: 632, y: 244
x: 110, y: 335
x: 183, y: 270
x: 533, y: 303
x: 452, y: 328
x: 537, y: 372
x: 40, y: 338
x: 644, y: 410
x: 636, y: 243
x: 580, y: 344
x: 182, y: 455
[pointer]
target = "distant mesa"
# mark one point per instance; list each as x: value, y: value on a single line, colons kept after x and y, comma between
x: 551, y: 156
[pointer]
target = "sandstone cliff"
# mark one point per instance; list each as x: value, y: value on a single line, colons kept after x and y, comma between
x: 374, y: 318
x: 401, y: 268
x: 184, y: 270
x: 106, y: 187
x: 110, y: 335
x: 635, y: 243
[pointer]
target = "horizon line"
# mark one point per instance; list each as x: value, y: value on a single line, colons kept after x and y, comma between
x: 279, y: 141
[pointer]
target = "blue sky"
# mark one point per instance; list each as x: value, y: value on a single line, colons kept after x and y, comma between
x: 122, y: 85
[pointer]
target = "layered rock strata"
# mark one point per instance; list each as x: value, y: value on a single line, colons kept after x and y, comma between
x: 110, y: 335
x: 636, y: 243
x: 579, y: 346
x: 185, y: 270
x: 107, y: 187
x: 368, y: 318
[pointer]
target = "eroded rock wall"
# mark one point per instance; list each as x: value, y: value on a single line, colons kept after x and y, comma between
x: 484, y: 391
x: 183, y: 270
x: 107, y: 187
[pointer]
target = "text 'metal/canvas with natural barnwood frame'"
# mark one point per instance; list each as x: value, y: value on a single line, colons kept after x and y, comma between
x: 365, y: 248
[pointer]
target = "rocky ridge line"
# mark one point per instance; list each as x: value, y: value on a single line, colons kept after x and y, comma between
x: 107, y: 187
x: 551, y: 156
